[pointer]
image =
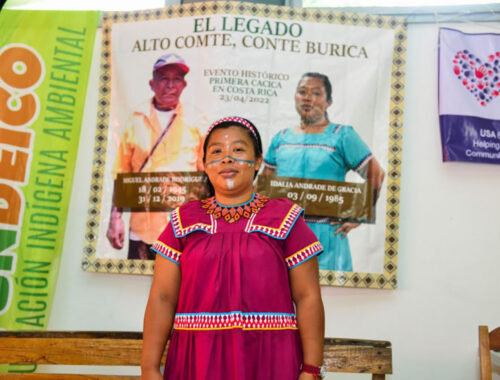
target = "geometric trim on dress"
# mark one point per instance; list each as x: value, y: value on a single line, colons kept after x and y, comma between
x: 283, y: 230
x: 166, y: 251
x: 337, y: 129
x: 308, y: 146
x: 304, y: 254
x: 181, y: 231
x: 319, y: 219
x: 235, y: 320
x: 269, y: 165
x: 363, y: 162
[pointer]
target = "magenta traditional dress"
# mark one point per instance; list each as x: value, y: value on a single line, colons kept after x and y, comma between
x: 235, y: 317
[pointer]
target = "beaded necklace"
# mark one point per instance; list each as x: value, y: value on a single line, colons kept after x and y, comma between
x: 232, y: 214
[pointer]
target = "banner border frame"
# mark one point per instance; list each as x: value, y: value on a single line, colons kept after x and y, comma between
x: 385, y: 280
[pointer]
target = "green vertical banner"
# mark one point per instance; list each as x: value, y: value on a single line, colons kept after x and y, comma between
x: 45, y: 60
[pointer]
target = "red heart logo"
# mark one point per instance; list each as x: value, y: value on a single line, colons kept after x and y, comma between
x: 480, y: 78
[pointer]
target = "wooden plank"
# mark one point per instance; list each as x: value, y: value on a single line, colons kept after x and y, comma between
x: 76, y: 351
x: 358, y: 356
x: 484, y: 353
x: 356, y: 342
x: 124, y: 348
x: 495, y: 339
x: 72, y: 334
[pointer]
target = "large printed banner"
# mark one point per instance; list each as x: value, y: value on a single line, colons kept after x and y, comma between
x: 469, y: 96
x: 44, y: 64
x: 167, y: 74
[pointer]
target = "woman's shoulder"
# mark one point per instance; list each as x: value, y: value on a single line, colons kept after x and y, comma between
x: 282, y: 133
x: 190, y: 217
x: 342, y: 129
x: 191, y: 207
x: 276, y: 218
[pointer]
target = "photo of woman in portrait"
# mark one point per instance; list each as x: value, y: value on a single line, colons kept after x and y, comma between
x: 318, y: 148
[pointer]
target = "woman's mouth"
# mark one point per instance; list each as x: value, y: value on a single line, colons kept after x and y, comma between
x: 228, y: 173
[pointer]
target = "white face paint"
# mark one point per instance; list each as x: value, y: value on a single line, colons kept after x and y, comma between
x: 230, y: 183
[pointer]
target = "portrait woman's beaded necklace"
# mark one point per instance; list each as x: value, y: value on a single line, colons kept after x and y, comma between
x: 234, y: 213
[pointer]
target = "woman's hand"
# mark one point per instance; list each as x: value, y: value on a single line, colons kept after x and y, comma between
x: 151, y: 375
x: 345, y: 227
x: 306, y: 376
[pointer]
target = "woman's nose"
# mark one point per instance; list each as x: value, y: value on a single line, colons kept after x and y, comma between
x: 307, y: 96
x: 227, y: 159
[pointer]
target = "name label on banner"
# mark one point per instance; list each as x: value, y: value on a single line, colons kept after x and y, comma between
x: 343, y: 200
x: 158, y: 191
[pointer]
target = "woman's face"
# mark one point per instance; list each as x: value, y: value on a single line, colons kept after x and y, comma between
x: 311, y: 100
x: 230, y: 161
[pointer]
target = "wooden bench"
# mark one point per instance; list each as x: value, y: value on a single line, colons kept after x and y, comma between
x: 124, y: 349
x: 488, y: 340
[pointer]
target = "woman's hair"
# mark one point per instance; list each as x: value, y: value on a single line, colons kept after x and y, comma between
x: 326, y: 84
x: 233, y: 121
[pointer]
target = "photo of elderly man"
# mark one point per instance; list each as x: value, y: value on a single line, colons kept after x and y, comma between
x: 156, y: 139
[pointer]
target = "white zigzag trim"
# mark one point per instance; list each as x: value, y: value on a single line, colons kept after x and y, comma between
x: 282, y: 231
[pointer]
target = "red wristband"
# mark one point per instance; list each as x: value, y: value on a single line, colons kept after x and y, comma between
x: 311, y: 369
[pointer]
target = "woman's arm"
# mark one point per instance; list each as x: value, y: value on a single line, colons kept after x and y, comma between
x: 159, y: 316
x: 306, y: 293
x: 375, y: 176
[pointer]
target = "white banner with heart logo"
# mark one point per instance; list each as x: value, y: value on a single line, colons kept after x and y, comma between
x: 469, y: 96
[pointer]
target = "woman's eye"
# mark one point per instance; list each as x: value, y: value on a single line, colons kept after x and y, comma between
x: 215, y: 151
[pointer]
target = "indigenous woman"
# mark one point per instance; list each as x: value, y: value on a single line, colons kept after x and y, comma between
x: 236, y: 278
x: 320, y: 149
